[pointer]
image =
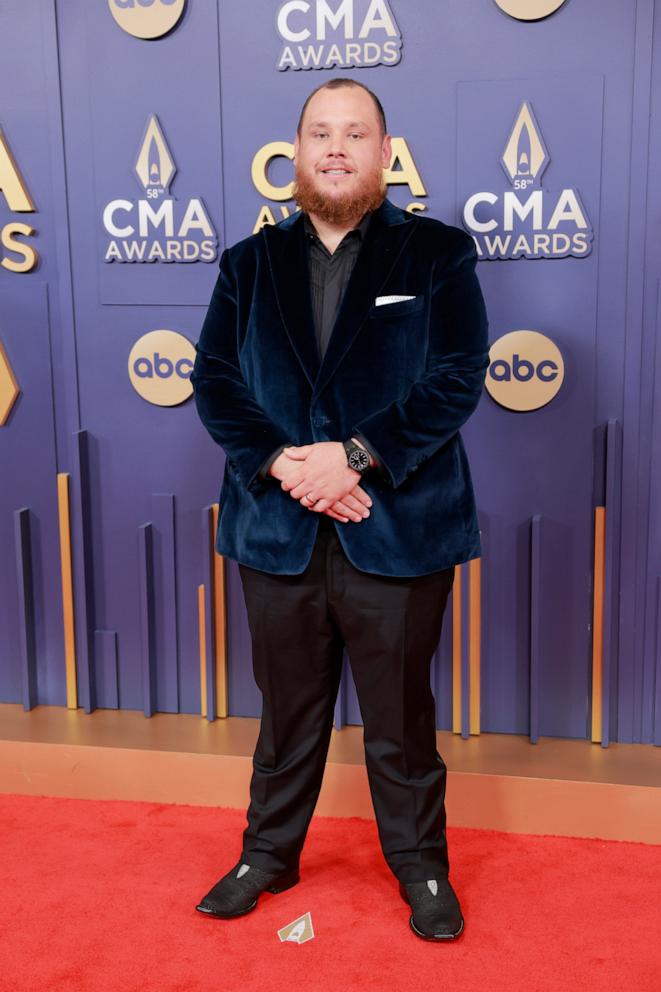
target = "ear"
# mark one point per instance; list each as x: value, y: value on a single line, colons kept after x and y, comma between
x: 297, y: 144
x: 386, y: 151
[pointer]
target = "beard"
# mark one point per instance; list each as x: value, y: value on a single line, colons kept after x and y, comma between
x: 342, y: 209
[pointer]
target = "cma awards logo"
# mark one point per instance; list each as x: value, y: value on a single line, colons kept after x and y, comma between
x: 14, y: 190
x: 321, y: 34
x: 402, y: 171
x: 527, y: 221
x: 158, y: 228
x: 160, y: 365
x: 147, y: 18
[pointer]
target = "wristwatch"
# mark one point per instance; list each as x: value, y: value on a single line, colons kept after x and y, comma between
x: 357, y: 458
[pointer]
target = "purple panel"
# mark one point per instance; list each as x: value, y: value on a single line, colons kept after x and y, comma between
x: 166, y: 634
x: 77, y: 102
x: 28, y: 661
x: 652, y: 682
x: 105, y: 656
x: 341, y: 702
x: 349, y: 693
x: 190, y: 122
x: 245, y: 699
x: 138, y: 448
x: 146, y: 589
x: 29, y: 481
x: 657, y: 643
x: 441, y: 671
x: 650, y: 432
x: 207, y: 548
x: 82, y: 542
x: 638, y: 399
x: 599, y: 465
x: 536, y: 607
x: 515, y: 467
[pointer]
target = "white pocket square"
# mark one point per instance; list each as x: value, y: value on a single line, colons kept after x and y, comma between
x: 381, y: 300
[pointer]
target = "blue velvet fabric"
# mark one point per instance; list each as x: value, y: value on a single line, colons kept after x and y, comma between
x: 405, y: 375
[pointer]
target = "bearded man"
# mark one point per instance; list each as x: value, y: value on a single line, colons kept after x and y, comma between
x: 342, y: 350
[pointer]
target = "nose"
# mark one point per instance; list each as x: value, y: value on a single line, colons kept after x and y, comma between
x: 336, y: 145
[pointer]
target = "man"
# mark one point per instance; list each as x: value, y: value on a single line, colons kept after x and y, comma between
x: 342, y: 351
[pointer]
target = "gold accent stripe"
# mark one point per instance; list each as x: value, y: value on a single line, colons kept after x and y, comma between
x: 456, y: 651
x: 598, y: 621
x: 201, y: 621
x: 9, y: 387
x: 67, y: 589
x: 474, y: 605
x: 219, y: 623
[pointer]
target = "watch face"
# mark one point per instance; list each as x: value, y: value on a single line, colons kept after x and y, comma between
x: 359, y: 460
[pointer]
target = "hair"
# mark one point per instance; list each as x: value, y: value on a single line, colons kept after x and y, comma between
x: 335, y: 84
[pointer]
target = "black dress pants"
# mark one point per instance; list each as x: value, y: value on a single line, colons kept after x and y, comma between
x: 390, y: 626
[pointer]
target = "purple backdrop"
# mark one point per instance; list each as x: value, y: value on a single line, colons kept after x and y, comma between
x: 76, y: 93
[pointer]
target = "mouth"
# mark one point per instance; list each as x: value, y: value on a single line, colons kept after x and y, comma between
x: 336, y: 172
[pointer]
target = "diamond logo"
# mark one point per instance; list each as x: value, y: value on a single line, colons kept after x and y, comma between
x: 298, y: 931
x: 525, y: 156
x: 154, y: 166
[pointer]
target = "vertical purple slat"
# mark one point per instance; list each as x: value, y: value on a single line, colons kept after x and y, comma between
x: 611, y: 580
x: 207, y: 579
x: 535, y: 622
x: 26, y: 639
x: 599, y: 445
x: 165, y: 594
x: 657, y: 644
x: 465, y: 667
x: 636, y: 410
x: 82, y: 572
x: 340, y: 715
x: 146, y: 586
x: 105, y: 654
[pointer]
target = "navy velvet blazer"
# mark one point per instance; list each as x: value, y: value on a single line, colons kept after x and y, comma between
x: 406, y: 375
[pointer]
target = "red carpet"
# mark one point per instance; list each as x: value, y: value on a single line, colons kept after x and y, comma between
x: 100, y: 896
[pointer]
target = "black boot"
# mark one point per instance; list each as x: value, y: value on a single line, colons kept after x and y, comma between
x: 436, y: 910
x: 236, y: 893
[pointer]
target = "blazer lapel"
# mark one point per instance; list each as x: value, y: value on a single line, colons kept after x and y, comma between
x: 287, y: 255
x: 387, y: 234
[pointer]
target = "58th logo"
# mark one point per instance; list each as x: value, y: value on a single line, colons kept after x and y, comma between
x: 158, y: 227
x: 527, y: 221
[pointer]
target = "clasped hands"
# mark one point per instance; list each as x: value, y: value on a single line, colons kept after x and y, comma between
x: 320, y: 471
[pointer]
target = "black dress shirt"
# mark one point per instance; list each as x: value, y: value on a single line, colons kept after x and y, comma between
x: 329, y: 277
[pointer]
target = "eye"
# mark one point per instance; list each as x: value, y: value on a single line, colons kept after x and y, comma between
x: 356, y: 134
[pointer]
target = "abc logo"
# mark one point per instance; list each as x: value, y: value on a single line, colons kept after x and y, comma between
x: 530, y: 10
x: 526, y: 370
x: 160, y: 365
x: 147, y: 18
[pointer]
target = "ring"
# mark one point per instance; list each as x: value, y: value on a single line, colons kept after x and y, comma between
x: 310, y: 501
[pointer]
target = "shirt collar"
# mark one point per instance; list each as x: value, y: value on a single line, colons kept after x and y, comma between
x: 361, y: 227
